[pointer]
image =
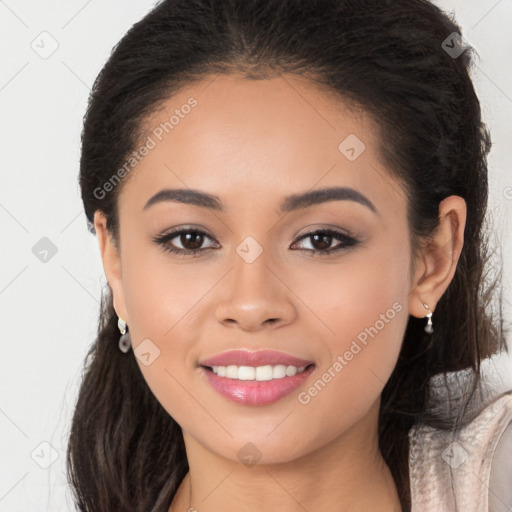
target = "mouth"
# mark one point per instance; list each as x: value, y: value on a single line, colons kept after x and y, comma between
x: 255, y: 378
x: 257, y: 373
x: 254, y: 359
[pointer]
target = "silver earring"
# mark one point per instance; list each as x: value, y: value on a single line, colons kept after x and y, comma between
x: 429, y: 327
x: 124, y: 340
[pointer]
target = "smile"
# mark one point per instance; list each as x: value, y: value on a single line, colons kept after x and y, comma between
x: 252, y: 385
x: 259, y: 373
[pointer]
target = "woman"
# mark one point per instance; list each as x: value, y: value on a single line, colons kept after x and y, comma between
x: 289, y: 200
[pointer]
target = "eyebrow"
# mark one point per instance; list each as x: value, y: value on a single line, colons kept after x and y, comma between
x: 291, y: 203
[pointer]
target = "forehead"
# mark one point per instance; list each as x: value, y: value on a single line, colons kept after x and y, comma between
x: 231, y: 135
x: 285, y: 111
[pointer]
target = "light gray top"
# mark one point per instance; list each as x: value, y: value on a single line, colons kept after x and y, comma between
x: 470, y: 471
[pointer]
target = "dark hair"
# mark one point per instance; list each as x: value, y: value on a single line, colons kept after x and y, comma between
x: 386, y: 57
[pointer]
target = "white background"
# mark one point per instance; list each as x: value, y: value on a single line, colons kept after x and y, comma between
x: 49, y: 310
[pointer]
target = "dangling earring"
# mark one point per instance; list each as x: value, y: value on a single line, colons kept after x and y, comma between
x: 429, y: 328
x: 124, y: 340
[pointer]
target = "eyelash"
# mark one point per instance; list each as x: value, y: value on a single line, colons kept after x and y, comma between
x: 164, y: 240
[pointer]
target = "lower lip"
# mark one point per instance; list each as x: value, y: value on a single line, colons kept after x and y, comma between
x: 253, y: 392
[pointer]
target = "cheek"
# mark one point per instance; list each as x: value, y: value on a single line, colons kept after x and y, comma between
x: 367, y: 288
x: 161, y: 295
x: 363, y: 307
x: 160, y: 302
x: 170, y: 309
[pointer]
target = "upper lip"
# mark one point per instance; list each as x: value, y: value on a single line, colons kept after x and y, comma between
x: 252, y: 358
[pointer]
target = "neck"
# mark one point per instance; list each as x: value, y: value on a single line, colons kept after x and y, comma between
x: 348, y: 474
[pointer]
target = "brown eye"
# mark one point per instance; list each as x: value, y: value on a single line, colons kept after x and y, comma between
x: 321, y: 241
x: 191, y: 241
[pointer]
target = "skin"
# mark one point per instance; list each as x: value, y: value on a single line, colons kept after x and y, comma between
x: 252, y: 143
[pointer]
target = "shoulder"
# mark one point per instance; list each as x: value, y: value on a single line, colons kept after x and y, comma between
x: 500, y: 481
x: 469, y: 469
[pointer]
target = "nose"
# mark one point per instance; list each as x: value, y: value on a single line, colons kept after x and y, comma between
x: 254, y: 297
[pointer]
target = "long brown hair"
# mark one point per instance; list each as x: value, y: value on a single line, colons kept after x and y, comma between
x: 125, y: 452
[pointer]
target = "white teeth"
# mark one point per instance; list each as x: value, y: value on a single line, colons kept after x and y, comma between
x: 264, y: 373
x: 279, y: 371
x: 246, y: 373
x: 258, y: 373
x: 232, y: 372
x: 291, y: 371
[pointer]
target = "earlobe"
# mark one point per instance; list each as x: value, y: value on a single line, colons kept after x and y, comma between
x: 111, y: 263
x: 439, y: 258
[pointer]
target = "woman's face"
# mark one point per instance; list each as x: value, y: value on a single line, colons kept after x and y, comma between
x: 255, y: 283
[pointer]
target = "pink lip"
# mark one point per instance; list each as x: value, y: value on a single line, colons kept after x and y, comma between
x: 249, y: 358
x: 252, y: 392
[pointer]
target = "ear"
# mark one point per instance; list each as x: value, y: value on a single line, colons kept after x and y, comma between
x: 436, y: 265
x: 111, y: 258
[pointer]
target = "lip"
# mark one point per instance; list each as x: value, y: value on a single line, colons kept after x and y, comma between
x: 254, y: 358
x: 253, y: 392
